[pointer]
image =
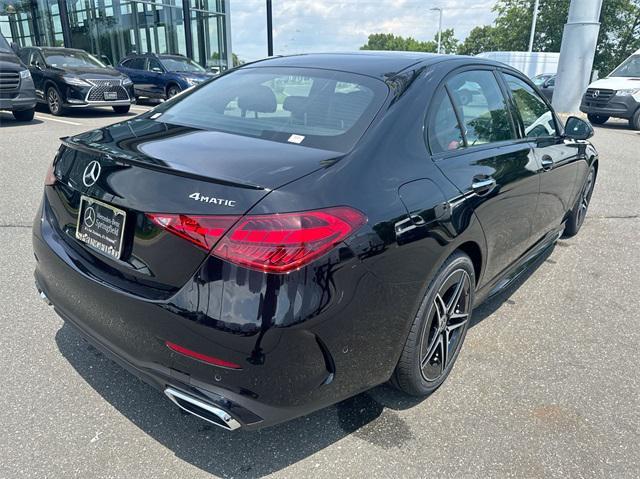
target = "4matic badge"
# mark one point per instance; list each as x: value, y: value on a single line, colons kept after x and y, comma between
x: 211, y: 199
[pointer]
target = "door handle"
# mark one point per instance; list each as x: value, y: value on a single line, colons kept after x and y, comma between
x: 482, y: 186
x: 547, y: 163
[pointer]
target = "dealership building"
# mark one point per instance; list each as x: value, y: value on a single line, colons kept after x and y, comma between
x: 199, y: 29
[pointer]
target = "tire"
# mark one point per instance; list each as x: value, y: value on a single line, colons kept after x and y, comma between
x: 577, y: 215
x: 421, y: 369
x: 172, y: 90
x: 54, y: 101
x: 24, y: 115
x: 598, y: 119
x: 634, y: 121
x: 121, y: 109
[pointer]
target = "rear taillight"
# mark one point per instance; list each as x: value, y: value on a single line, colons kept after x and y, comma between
x: 280, y: 243
x: 203, y: 231
x: 201, y: 357
x: 277, y: 243
x: 50, y: 179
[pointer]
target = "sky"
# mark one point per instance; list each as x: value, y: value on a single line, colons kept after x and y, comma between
x: 332, y: 25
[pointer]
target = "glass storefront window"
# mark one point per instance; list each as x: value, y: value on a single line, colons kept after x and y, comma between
x: 112, y: 29
x: 31, y: 22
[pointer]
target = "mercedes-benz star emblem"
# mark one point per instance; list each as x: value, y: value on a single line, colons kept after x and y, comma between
x: 89, y: 217
x: 91, y: 173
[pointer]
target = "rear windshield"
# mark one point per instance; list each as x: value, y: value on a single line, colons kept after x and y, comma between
x: 629, y: 68
x: 316, y: 108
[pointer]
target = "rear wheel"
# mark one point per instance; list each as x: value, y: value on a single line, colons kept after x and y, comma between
x: 172, y: 91
x: 634, y: 121
x: 577, y: 215
x: 438, y: 329
x: 24, y: 115
x: 54, y: 101
x: 121, y: 109
x: 598, y: 119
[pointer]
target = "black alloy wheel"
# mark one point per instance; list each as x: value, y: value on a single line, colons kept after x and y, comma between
x: 577, y: 216
x: 439, y: 329
x: 54, y: 101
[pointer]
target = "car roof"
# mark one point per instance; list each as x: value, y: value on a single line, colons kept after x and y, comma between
x: 381, y: 64
x: 59, y: 49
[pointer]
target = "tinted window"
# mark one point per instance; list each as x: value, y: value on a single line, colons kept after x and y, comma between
x: 536, y: 116
x: 317, y: 108
x: 482, y: 106
x: 4, y: 45
x: 444, y: 131
x: 135, y: 63
x: 153, y: 63
x: 179, y: 64
x: 24, y: 55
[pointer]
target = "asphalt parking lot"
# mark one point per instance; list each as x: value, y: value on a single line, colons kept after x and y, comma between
x: 547, y: 384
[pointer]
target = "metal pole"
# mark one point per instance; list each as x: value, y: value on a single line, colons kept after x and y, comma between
x: 438, y: 9
x: 533, y: 24
x: 576, y: 54
x: 269, y: 29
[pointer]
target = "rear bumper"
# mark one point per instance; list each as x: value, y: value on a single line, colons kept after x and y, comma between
x: 617, y: 107
x: 287, y: 371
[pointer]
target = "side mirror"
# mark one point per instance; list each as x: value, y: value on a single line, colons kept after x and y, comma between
x: 36, y: 64
x: 578, y: 129
x: 105, y: 60
x: 15, y: 47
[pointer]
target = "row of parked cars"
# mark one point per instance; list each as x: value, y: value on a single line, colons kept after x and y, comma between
x: 67, y: 78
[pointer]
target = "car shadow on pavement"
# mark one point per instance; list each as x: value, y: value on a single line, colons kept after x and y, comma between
x: 88, y: 113
x: 371, y: 416
x: 8, y: 121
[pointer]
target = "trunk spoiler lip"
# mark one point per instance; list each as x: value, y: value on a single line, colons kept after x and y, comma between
x: 115, y: 156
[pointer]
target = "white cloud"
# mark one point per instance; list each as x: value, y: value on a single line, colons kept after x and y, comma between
x: 330, y: 25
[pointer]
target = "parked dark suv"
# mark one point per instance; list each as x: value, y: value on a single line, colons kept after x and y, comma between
x: 69, y: 78
x: 16, y: 86
x: 162, y: 76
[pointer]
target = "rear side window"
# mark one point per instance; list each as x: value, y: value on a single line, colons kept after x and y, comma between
x: 317, y: 108
x: 444, y: 130
x: 537, y: 118
x: 482, y: 107
x: 135, y: 63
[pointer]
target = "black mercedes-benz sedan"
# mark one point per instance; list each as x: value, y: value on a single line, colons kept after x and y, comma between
x: 304, y: 228
x: 69, y: 78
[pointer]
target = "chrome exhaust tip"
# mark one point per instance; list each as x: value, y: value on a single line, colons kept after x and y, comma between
x: 201, y: 409
x: 44, y: 298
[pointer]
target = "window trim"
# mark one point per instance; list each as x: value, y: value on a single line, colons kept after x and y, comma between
x: 442, y: 86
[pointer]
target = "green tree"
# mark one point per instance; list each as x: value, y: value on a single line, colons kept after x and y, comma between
x: 389, y: 41
x: 619, y: 30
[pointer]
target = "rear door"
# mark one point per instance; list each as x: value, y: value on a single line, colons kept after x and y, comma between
x: 474, y: 142
x: 134, y: 68
x: 558, y: 159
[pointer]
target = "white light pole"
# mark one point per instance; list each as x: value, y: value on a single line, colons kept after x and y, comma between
x: 439, y: 27
x: 533, y: 24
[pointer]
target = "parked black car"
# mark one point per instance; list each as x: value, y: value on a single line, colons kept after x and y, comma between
x: 17, y: 93
x: 162, y: 76
x: 69, y: 78
x: 303, y: 228
x: 546, y: 82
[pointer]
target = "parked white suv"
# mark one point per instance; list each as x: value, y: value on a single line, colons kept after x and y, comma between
x: 617, y: 95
